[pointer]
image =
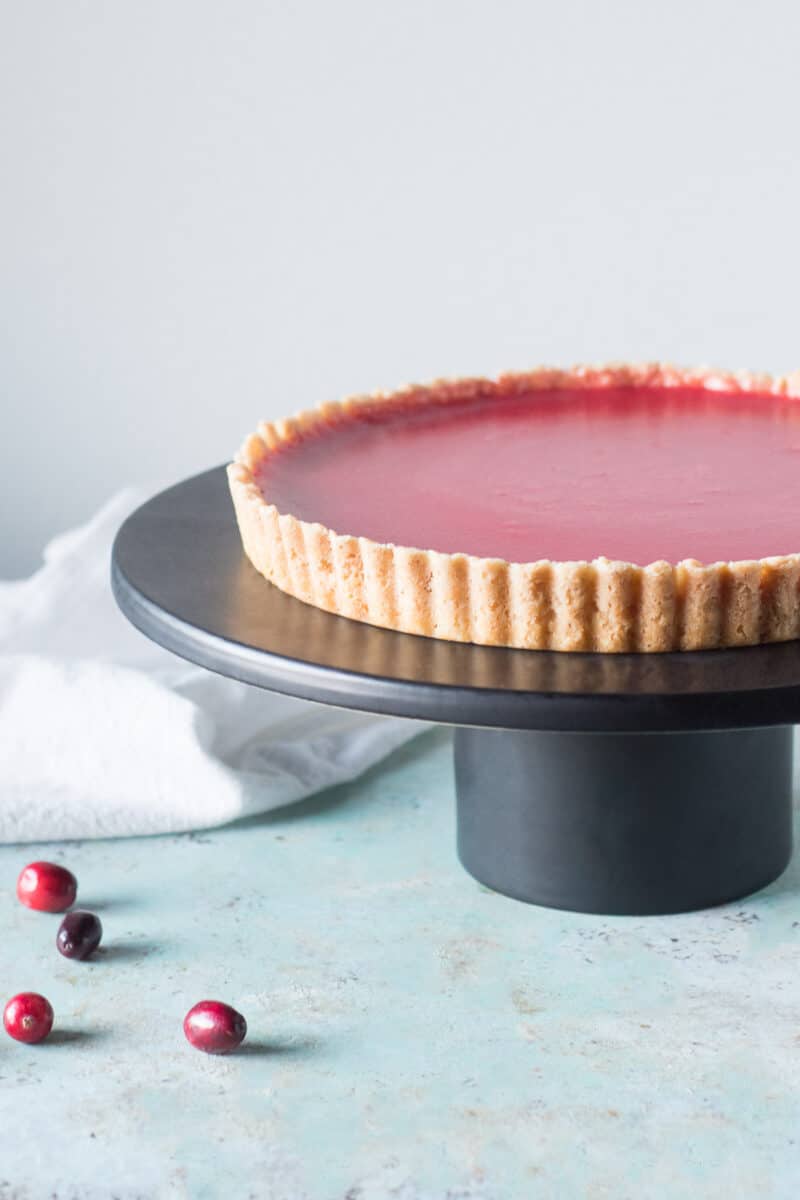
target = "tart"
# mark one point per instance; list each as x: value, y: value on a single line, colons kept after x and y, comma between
x: 625, y: 508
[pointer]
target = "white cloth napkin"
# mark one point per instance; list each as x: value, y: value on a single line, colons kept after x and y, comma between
x: 104, y: 734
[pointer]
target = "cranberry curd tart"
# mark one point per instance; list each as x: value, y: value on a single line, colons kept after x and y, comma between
x: 613, y: 509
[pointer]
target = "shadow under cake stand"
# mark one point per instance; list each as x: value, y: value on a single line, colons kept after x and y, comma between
x: 616, y: 784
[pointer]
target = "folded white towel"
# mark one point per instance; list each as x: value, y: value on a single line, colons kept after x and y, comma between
x: 105, y: 734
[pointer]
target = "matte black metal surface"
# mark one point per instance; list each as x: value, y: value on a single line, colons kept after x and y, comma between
x: 180, y: 575
x: 625, y: 823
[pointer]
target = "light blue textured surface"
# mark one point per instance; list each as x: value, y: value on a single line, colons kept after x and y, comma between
x: 411, y: 1034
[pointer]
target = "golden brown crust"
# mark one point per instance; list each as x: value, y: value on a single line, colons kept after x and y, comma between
x: 605, y: 606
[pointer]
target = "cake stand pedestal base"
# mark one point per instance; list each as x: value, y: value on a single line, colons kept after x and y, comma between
x: 624, y: 823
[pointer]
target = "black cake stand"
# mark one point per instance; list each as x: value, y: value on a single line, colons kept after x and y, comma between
x: 600, y: 783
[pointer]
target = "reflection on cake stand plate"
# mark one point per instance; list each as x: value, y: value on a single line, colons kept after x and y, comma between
x: 600, y: 783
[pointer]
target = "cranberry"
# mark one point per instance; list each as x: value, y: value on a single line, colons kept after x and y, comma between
x: 28, y: 1017
x: 47, y: 887
x: 214, y: 1027
x: 79, y: 934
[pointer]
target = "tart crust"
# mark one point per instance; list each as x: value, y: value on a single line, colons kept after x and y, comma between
x: 605, y: 606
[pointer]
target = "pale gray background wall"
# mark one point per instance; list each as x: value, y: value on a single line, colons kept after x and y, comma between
x: 212, y: 212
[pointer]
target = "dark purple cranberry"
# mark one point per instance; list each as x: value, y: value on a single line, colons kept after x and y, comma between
x: 79, y: 934
x: 214, y: 1027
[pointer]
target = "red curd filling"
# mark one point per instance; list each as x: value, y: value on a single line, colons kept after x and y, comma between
x: 630, y: 473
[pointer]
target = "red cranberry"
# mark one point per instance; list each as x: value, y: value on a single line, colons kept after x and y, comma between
x: 79, y: 934
x: 28, y: 1017
x: 47, y: 887
x: 214, y: 1027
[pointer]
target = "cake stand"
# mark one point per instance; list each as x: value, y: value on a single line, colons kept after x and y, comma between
x: 616, y: 784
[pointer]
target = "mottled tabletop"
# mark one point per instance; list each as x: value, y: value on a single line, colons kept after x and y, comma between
x: 412, y: 1035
